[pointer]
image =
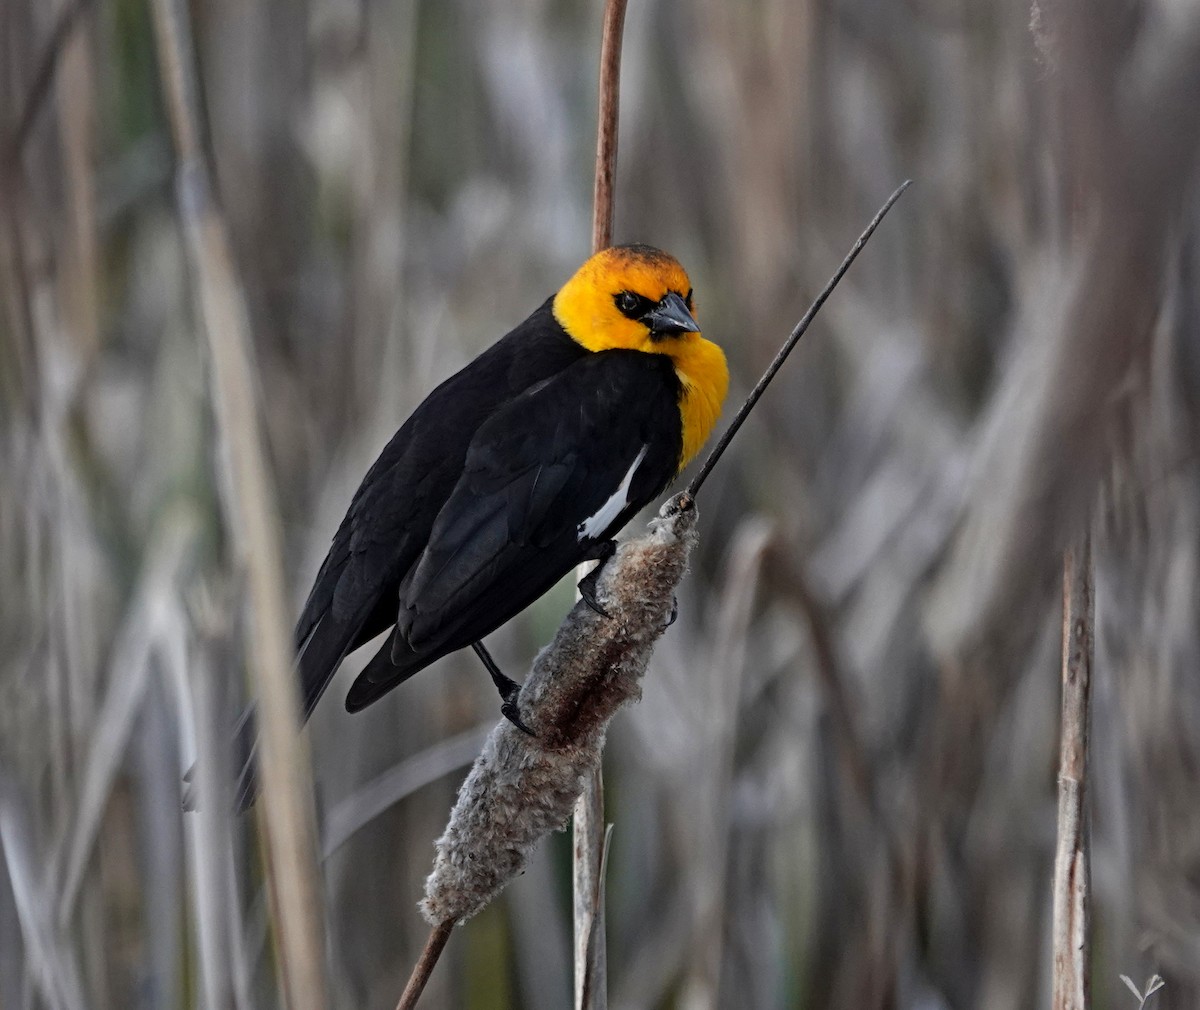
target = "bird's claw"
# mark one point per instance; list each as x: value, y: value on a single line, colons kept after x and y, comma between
x: 587, y: 592
x: 674, y: 615
x: 588, y: 584
x: 600, y: 552
x: 512, y: 712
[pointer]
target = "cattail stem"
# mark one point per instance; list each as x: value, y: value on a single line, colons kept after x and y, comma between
x: 1072, y: 871
x: 589, y: 828
x: 439, y: 936
x: 606, y: 126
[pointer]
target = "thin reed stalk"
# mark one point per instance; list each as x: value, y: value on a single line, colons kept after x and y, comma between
x: 286, y: 811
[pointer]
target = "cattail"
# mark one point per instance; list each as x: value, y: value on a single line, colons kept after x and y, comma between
x: 522, y: 787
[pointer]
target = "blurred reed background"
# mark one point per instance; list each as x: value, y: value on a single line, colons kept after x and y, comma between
x: 839, y: 791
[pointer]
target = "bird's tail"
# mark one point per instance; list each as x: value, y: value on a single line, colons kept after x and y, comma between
x: 382, y: 674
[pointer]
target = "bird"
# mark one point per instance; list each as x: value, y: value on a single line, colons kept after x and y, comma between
x: 512, y: 472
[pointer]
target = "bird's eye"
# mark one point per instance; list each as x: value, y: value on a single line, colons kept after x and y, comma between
x: 628, y: 303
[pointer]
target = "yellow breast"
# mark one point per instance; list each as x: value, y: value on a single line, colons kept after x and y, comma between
x: 700, y: 365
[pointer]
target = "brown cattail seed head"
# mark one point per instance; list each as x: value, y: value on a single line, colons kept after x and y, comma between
x: 522, y: 787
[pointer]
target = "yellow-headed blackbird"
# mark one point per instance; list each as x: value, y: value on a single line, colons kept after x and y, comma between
x: 515, y: 470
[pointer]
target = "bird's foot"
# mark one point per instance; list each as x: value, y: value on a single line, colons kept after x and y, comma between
x: 512, y: 712
x: 509, y: 689
x: 587, y: 591
x: 674, y: 615
x: 587, y: 585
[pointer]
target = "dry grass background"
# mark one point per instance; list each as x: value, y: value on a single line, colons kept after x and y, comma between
x: 838, y: 791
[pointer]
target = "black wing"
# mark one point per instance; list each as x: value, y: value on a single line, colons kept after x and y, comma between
x: 389, y: 520
x: 546, y: 478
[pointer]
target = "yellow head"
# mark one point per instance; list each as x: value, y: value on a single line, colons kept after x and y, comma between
x: 638, y: 298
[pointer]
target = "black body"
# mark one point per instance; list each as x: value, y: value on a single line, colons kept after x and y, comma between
x: 474, y: 508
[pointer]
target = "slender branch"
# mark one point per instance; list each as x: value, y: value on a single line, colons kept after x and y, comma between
x: 439, y: 936
x: 791, y: 342
x: 1072, y: 884
x: 286, y: 813
x: 591, y: 988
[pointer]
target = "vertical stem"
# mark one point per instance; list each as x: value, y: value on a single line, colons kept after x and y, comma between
x: 286, y: 808
x: 591, y: 992
x: 1072, y: 883
x: 606, y: 125
x: 591, y: 987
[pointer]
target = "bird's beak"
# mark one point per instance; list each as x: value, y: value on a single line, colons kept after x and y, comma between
x: 670, y: 316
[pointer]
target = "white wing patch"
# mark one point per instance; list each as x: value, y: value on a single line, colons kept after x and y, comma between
x: 594, y: 525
